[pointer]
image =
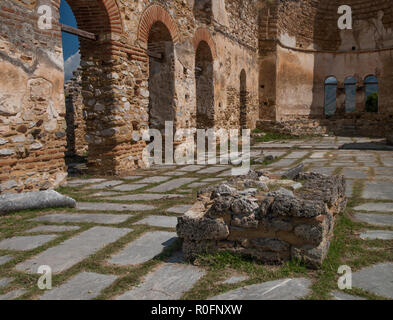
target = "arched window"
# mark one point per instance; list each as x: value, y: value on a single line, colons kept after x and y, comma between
x: 330, y: 96
x: 350, y: 94
x: 371, y: 84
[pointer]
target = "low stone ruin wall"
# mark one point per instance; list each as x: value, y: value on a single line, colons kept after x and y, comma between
x: 366, y: 124
x: 258, y: 215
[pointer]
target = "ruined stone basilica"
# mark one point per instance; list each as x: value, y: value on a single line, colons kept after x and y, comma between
x: 198, y: 63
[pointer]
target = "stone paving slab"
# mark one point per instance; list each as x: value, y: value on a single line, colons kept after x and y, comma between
x: 25, y: 243
x: 159, y: 221
x: 172, y: 185
x: 376, y: 207
x: 235, y: 279
x: 12, y: 294
x: 169, y: 282
x: 103, y: 206
x: 369, y: 164
x: 154, y: 179
x: 296, y: 155
x: 180, y: 208
x: 146, y: 197
x: 130, y: 178
x: 130, y: 187
x: 379, y: 190
x: 5, y: 282
x: 323, y: 170
x: 104, y: 194
x: 84, y: 286
x: 53, y: 229
x: 343, y: 164
x: 349, y: 188
x: 5, y: 259
x: 227, y: 173
x: 197, y: 185
x: 285, y: 289
x: 211, y: 170
x: 384, y: 171
x: 164, y: 166
x: 191, y: 168
x: 388, y: 162
x: 99, y: 218
x: 318, y: 155
x: 212, y: 180
x: 265, y: 145
x: 174, y: 173
x: 378, y: 219
x: 282, y: 163
x: 315, y: 163
x: 144, y: 248
x: 377, y: 235
x: 351, y: 173
x: 104, y: 185
x: 338, y: 295
x: 79, y: 182
x: 376, y: 279
x: 74, y: 250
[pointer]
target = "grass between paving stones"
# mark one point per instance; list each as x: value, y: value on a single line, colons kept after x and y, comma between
x: 128, y: 276
x: 221, y: 266
x: 272, y: 136
x: 17, y: 223
x: 346, y: 248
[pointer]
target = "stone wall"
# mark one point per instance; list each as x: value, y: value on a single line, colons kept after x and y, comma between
x: 301, y: 46
x: 32, y: 124
x: 366, y: 124
x: 244, y: 217
x: 115, y: 73
x: 283, y: 49
x: 75, y: 116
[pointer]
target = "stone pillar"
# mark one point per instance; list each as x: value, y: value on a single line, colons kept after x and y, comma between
x: 360, y: 97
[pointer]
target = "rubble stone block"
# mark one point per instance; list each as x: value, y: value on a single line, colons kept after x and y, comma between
x: 267, y: 226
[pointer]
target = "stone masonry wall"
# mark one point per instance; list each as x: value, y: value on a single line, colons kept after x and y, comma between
x: 75, y: 116
x: 115, y: 80
x: 310, y: 48
x: 284, y: 50
x: 32, y: 124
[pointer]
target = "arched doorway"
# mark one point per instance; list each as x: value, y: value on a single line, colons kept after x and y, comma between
x: 161, y: 76
x: 204, y: 86
x: 98, y: 78
x: 243, y: 99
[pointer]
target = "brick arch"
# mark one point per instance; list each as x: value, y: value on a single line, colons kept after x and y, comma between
x: 156, y: 13
x: 104, y: 15
x: 203, y: 34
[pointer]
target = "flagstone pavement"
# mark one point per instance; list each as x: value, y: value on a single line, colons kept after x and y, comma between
x: 126, y: 225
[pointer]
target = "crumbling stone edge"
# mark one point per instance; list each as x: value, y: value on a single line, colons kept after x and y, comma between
x: 269, y: 226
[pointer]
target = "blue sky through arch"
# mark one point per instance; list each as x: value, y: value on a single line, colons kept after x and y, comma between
x: 70, y: 42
